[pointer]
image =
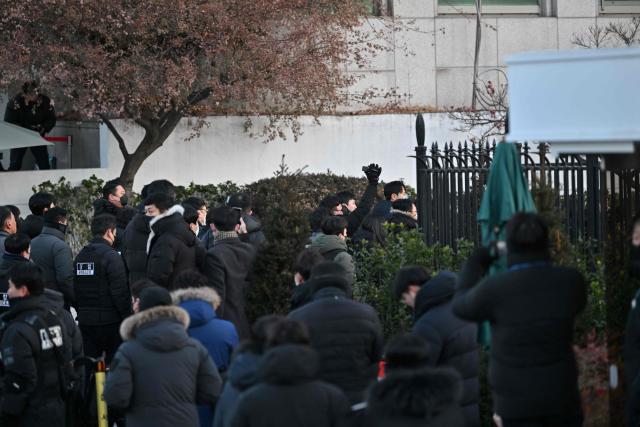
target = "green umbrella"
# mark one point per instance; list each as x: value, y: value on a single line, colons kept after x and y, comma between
x: 506, y: 193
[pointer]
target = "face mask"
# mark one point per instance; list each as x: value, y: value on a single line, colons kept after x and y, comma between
x: 62, y: 228
x: 124, y: 200
x: 403, y: 196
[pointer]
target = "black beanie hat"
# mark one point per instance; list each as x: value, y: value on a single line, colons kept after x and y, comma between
x: 154, y: 296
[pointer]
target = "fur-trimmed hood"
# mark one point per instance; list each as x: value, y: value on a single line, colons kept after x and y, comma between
x: 200, y: 303
x: 203, y: 293
x: 172, y: 210
x: 162, y: 327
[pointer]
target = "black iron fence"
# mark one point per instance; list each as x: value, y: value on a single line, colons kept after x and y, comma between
x: 451, y: 181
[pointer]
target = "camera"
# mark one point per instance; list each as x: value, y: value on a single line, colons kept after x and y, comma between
x: 366, y: 169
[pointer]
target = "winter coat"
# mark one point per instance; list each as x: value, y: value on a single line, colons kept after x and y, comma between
x: 103, y: 206
x: 402, y: 218
x: 53, y: 254
x: 333, y: 248
x: 3, y: 236
x: 159, y: 374
x: 100, y: 285
x: 242, y: 374
x: 171, y: 247
x: 348, y: 338
x: 218, y: 336
x: 32, y: 363
x: 632, y: 362
x: 6, y: 264
x: 452, y: 342
x: 423, y: 398
x: 254, y: 234
x: 134, y: 247
x: 531, y: 308
x: 288, y: 393
x: 354, y: 219
x: 227, y: 268
x: 32, y: 226
x: 39, y: 116
x: 383, y: 209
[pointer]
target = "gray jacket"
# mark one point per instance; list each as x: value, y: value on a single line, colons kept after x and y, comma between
x: 51, y: 252
x: 159, y: 374
x: 335, y: 249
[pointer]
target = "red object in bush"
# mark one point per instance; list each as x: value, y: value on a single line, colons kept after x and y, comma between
x: 381, y: 369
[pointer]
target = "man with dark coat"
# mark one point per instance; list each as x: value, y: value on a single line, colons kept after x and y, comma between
x: 531, y: 308
x: 171, y: 246
x: 34, y: 111
x: 394, y: 190
x: 404, y: 214
x: 304, y: 286
x: 355, y: 213
x: 39, y: 203
x: 102, y: 294
x: 252, y: 232
x: 346, y: 334
x: 112, y: 202
x: 227, y: 267
x: 289, y: 392
x: 159, y: 374
x: 33, y: 349
x: 16, y: 252
x: 8, y: 225
x: 50, y: 251
x: 451, y: 340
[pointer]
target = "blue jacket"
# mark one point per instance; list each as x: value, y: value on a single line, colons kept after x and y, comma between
x: 242, y: 374
x: 218, y: 336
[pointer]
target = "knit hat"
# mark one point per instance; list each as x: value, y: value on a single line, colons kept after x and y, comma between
x: 154, y: 296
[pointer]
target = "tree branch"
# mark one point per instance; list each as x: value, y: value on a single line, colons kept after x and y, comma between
x: 116, y: 134
x: 198, y: 96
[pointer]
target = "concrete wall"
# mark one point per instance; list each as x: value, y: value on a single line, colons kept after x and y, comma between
x: 224, y: 151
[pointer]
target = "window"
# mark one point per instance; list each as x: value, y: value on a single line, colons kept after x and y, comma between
x: 378, y: 7
x: 620, y: 6
x: 489, y: 6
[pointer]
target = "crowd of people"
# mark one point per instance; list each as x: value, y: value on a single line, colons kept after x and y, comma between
x: 159, y: 293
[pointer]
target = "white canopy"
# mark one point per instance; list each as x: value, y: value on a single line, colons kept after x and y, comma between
x: 12, y: 136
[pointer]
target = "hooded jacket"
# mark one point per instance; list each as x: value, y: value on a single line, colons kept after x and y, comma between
x: 7, y: 262
x: 452, y: 342
x: 171, y: 247
x: 348, y: 338
x: 242, y: 374
x: 134, y: 247
x: 227, y: 267
x: 288, y: 393
x: 423, y: 398
x: 333, y: 248
x: 53, y: 255
x: 403, y: 218
x: 159, y: 374
x: 531, y: 308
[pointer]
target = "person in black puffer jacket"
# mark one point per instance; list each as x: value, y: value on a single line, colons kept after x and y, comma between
x: 288, y: 391
x: 451, y: 340
x: 171, y: 247
x: 347, y: 334
x: 405, y: 214
x: 39, y: 203
x: 16, y: 252
x: 532, y: 308
x: 112, y: 202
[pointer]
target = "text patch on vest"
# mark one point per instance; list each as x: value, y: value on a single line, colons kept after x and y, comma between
x: 85, y: 269
x: 55, y: 333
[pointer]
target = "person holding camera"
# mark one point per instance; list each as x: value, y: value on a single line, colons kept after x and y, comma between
x: 532, y: 307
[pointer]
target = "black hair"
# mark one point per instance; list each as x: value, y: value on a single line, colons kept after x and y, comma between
x: 306, y: 260
x: 406, y: 352
x: 39, y: 202
x: 225, y: 218
x: 159, y: 186
x: 162, y: 201
x: 404, y: 205
x: 55, y: 215
x: 28, y: 274
x: 16, y: 243
x: 29, y: 86
x: 190, y: 214
x: 394, y: 187
x: 334, y: 225
x: 406, y: 276
x: 375, y: 225
x: 317, y: 217
x: 5, y: 214
x: 190, y: 279
x: 140, y: 285
x: 345, y: 196
x: 240, y: 200
x: 194, y: 202
x: 258, y: 335
x: 527, y: 232
x: 110, y: 187
x: 330, y: 202
x: 101, y: 223
x: 287, y: 331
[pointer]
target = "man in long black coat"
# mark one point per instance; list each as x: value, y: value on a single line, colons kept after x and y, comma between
x: 227, y: 267
x: 531, y: 308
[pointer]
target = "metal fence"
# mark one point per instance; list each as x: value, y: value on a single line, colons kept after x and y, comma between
x: 451, y: 181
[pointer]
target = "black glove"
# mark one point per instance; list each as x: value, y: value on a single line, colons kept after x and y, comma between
x: 373, y: 172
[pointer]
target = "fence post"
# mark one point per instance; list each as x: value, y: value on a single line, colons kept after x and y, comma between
x: 421, y: 175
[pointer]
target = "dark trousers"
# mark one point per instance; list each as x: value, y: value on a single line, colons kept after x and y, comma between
x: 574, y: 421
x: 40, y: 153
x: 101, y: 339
